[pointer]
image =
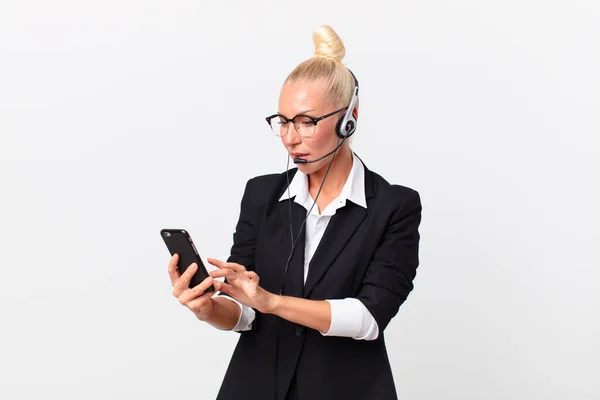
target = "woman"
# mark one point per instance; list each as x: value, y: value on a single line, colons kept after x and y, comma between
x: 323, y: 255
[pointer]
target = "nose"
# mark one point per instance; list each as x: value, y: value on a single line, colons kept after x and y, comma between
x: 292, y: 137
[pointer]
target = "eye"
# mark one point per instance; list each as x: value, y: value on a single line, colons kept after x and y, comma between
x: 305, y: 122
x: 278, y: 121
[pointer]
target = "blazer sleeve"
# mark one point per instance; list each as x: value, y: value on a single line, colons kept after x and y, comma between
x: 244, y: 237
x: 242, y: 252
x: 389, y: 277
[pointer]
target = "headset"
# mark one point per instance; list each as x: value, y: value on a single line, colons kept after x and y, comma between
x: 345, y: 127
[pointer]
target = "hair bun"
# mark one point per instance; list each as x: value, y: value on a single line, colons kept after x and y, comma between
x: 328, y: 44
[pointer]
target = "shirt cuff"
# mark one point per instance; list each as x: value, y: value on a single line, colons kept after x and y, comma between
x: 350, y: 318
x: 247, y: 315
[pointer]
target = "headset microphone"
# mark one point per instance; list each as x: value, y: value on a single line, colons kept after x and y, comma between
x: 303, y: 161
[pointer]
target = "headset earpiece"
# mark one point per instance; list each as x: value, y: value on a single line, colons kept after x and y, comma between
x: 347, y: 129
x: 347, y: 124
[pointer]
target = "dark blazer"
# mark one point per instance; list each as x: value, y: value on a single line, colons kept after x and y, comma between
x: 367, y: 254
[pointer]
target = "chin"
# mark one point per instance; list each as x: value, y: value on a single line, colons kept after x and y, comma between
x: 310, y: 168
x: 305, y: 168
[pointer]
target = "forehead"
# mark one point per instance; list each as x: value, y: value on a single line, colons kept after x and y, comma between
x: 299, y: 96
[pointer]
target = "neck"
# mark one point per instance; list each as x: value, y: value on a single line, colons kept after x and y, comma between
x: 338, y: 174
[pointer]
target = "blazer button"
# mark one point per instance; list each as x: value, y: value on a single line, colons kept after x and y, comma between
x: 299, y: 331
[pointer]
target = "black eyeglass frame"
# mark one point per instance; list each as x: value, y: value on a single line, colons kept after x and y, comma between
x: 313, y: 119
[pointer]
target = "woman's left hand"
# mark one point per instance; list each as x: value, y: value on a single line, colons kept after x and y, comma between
x: 242, y: 285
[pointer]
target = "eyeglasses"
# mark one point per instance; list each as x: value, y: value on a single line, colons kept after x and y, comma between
x: 305, y: 125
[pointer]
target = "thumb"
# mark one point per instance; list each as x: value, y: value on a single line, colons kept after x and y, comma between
x: 221, y: 286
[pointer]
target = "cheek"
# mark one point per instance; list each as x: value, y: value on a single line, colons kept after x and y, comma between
x: 325, y: 136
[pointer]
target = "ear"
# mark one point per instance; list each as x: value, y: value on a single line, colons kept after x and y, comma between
x: 355, y: 113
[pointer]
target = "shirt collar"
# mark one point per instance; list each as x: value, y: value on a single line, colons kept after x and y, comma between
x: 353, y: 190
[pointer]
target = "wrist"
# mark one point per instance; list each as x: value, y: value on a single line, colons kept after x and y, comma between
x: 217, y: 309
x: 273, y: 303
x: 206, y: 314
x: 224, y: 314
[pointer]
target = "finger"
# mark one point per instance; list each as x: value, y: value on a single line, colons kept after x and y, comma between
x: 198, y: 304
x: 223, y: 287
x: 215, y: 262
x: 233, y: 266
x: 220, y: 273
x: 196, y: 291
x: 184, y: 281
x: 173, y: 271
x: 228, y: 265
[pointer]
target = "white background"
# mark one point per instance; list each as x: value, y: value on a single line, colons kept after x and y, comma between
x: 119, y: 118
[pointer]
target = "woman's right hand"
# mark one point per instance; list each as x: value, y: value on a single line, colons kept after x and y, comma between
x: 201, y: 303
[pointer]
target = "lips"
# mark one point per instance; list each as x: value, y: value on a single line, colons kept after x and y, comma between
x: 300, y: 155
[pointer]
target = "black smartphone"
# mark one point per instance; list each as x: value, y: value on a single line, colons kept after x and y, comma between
x: 179, y: 241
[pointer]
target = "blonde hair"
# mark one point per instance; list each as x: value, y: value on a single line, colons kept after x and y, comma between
x: 327, y: 64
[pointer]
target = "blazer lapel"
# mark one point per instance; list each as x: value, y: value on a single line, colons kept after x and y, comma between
x: 340, y: 230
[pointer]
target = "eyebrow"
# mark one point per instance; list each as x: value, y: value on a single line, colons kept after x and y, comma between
x: 300, y: 113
